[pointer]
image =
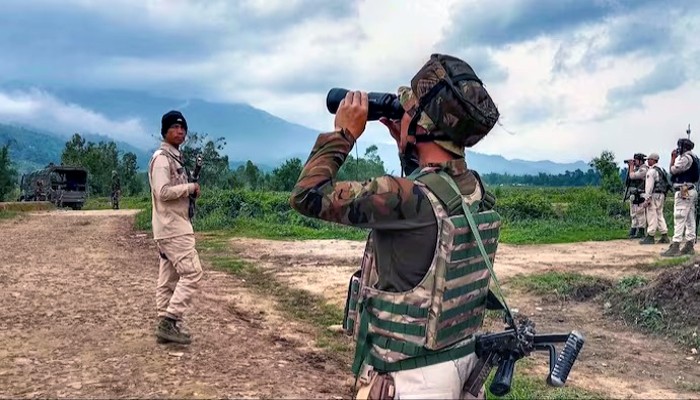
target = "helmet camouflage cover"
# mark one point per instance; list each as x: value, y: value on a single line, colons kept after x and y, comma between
x: 454, y: 106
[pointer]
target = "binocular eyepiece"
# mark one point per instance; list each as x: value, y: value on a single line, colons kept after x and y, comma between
x: 380, y: 104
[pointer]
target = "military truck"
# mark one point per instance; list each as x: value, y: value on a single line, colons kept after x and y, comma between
x: 64, y: 186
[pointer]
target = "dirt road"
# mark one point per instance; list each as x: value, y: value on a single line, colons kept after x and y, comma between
x: 617, y: 360
x: 77, y: 290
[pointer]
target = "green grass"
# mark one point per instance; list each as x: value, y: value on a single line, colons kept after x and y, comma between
x: 627, y: 301
x: 127, y: 202
x: 669, y: 262
x: 555, y: 231
x: 530, y: 216
x: 528, y: 387
x: 562, y: 285
x: 8, y: 214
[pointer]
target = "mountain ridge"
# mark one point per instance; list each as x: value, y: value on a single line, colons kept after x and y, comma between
x: 248, y: 131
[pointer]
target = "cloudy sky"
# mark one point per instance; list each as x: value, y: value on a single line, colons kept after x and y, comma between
x: 570, y: 77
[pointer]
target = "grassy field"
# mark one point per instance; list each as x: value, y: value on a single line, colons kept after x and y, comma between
x: 530, y: 215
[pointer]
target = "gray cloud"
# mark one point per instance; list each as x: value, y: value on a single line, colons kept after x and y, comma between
x: 514, y: 21
x: 665, y: 76
x: 67, y: 43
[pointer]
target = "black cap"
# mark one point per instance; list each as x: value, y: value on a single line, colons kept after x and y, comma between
x: 685, y: 144
x: 171, y: 118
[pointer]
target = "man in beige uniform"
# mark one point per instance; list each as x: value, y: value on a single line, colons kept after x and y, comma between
x: 655, y: 190
x: 180, y: 269
x: 637, y: 171
x: 684, y: 175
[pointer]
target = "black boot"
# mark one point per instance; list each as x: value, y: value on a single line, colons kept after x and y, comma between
x: 687, y: 249
x: 673, y: 250
x: 647, y: 240
x: 664, y: 238
x: 167, y: 331
x: 641, y: 232
x: 633, y: 233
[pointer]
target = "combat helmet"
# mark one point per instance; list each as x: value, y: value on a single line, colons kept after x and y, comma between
x: 449, y: 101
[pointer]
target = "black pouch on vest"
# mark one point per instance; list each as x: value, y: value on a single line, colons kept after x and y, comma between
x: 350, y: 313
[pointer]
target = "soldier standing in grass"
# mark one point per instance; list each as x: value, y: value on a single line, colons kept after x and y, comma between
x: 637, y: 171
x: 180, y: 268
x: 116, y: 190
x: 656, y: 187
x: 684, y: 175
x: 411, y: 221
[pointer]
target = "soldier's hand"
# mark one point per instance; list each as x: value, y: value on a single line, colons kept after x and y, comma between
x: 394, y: 126
x: 674, y: 153
x: 196, y: 190
x: 352, y: 113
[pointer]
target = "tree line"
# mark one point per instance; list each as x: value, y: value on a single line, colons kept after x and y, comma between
x: 100, y: 159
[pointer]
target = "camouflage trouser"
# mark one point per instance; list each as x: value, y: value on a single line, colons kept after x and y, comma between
x: 179, y: 276
x: 684, y: 216
x: 639, y: 220
x: 655, y: 215
x: 439, y: 381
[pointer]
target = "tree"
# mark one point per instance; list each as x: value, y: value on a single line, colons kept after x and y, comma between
x: 100, y: 159
x: 370, y: 166
x: 285, y: 176
x: 606, y: 167
x: 8, y: 174
x: 215, y: 171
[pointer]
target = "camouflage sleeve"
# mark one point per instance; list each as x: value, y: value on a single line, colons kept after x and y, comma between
x: 385, y: 202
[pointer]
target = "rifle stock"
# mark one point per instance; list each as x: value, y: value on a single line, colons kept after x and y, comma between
x: 503, y: 349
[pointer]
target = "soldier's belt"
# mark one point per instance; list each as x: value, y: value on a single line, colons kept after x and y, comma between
x: 690, y: 186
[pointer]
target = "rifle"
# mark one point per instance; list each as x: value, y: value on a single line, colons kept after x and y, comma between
x: 194, y: 178
x: 626, y: 195
x: 507, y: 347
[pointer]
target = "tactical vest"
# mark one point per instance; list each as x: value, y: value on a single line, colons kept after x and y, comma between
x: 435, y: 321
x: 691, y: 175
x: 638, y: 184
x: 661, y: 185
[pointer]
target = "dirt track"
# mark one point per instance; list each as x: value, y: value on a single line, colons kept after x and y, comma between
x: 78, y: 316
x: 617, y: 360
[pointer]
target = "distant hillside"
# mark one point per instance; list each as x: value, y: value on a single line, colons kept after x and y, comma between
x: 250, y: 133
x: 30, y: 149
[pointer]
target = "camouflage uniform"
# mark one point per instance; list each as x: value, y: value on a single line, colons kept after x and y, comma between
x: 404, y: 230
x: 637, y: 209
x: 405, y: 347
x: 116, y: 190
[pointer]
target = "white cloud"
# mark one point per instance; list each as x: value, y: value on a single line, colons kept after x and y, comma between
x: 42, y: 110
x: 551, y: 89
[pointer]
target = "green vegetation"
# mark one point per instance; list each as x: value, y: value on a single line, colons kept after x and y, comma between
x: 528, y: 387
x: 7, y: 214
x: 666, y: 306
x: 100, y: 159
x: 562, y: 285
x: 8, y: 173
x: 530, y: 215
